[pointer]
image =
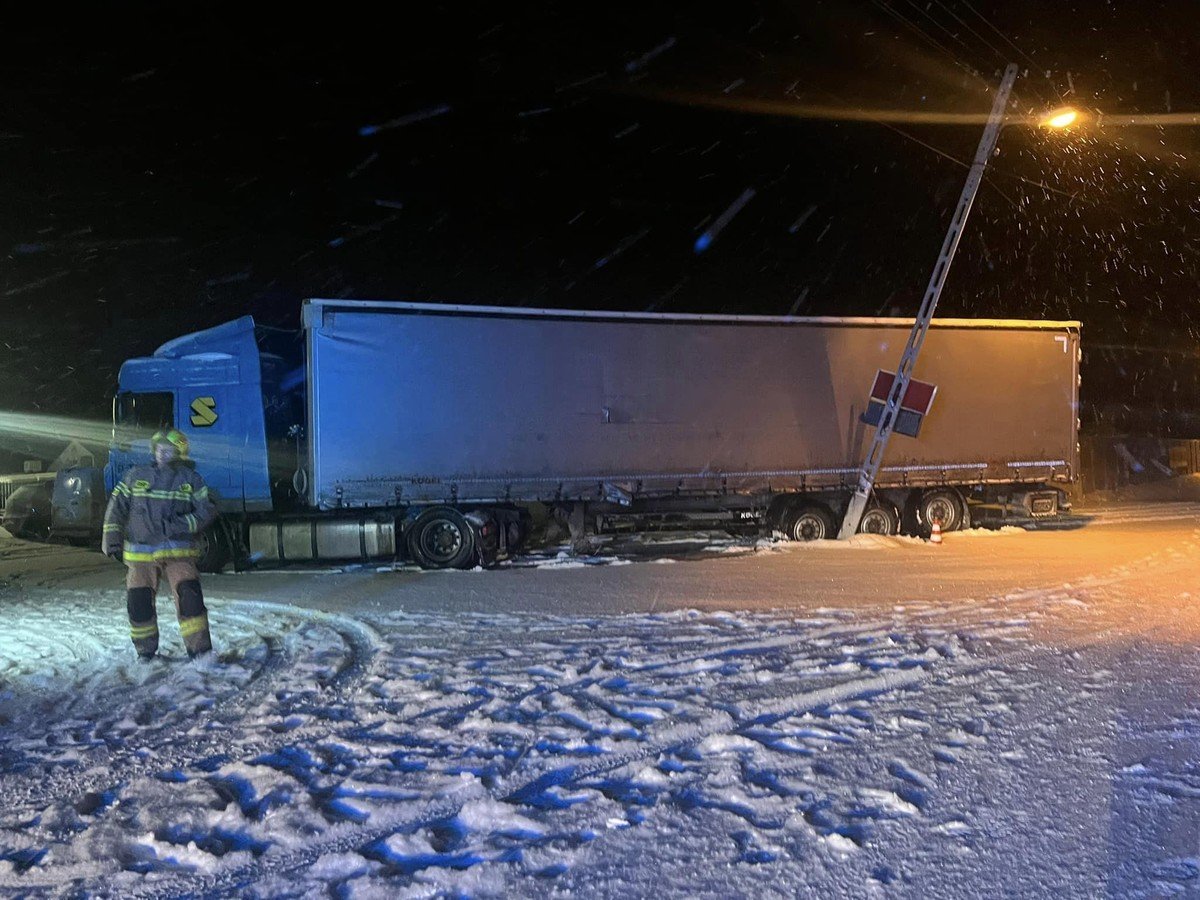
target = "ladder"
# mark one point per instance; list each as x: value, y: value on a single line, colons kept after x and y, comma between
x: 908, y: 361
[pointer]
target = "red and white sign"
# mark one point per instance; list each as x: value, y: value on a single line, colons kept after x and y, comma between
x: 918, y: 398
x: 914, y: 407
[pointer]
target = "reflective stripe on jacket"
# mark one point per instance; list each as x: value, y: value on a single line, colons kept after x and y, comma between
x: 155, y: 512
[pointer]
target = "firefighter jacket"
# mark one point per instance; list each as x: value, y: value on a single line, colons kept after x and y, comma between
x: 156, y: 512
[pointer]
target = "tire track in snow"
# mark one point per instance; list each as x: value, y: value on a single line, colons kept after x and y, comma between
x: 119, y: 765
x: 738, y: 648
x: 679, y: 738
x: 674, y: 737
x: 960, y: 687
x: 781, y: 703
x: 1142, y: 512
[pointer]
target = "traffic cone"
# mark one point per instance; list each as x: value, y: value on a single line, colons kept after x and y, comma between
x: 935, y: 533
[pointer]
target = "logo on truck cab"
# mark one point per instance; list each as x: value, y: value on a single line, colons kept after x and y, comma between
x: 204, y: 412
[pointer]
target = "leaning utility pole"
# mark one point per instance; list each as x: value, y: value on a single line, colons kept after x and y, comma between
x: 870, y: 468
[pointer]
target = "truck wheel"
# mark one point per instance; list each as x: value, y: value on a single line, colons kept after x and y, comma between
x: 214, y: 549
x: 941, y: 505
x: 880, y: 518
x: 441, y: 538
x: 808, y: 522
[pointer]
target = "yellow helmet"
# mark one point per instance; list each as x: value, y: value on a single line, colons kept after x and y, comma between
x: 175, y: 438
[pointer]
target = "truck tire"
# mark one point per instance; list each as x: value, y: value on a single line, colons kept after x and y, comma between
x: 943, y: 505
x: 214, y: 547
x: 808, y: 522
x: 880, y: 518
x: 441, y: 538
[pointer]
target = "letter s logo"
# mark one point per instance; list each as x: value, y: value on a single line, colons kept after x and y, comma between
x: 204, y: 412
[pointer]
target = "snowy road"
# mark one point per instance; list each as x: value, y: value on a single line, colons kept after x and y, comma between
x: 1009, y: 714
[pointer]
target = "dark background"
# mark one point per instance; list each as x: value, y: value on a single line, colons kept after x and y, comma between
x: 160, y: 175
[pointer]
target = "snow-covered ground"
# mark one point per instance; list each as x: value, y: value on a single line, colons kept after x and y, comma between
x: 355, y: 739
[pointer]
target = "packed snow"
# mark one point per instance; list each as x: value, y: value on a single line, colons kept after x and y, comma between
x: 1018, y: 743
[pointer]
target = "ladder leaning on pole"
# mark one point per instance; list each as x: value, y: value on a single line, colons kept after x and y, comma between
x: 908, y: 361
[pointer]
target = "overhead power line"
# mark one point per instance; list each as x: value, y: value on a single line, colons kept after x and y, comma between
x: 926, y: 36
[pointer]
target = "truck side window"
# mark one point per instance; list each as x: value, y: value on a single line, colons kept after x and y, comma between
x: 140, y: 415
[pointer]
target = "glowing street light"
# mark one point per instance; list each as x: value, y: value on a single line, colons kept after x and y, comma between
x: 1060, y: 118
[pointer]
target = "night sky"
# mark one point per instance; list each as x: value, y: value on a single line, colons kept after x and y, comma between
x: 160, y: 175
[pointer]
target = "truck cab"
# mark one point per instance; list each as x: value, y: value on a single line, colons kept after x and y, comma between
x: 209, y: 386
x: 237, y: 392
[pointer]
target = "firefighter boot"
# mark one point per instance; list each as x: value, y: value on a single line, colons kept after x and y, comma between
x: 193, y: 618
x: 143, y: 622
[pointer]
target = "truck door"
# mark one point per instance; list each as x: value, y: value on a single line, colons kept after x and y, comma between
x: 210, y: 419
x: 137, y: 415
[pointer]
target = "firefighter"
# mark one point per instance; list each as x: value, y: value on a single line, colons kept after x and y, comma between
x: 154, y: 517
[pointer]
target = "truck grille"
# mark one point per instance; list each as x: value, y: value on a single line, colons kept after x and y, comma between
x: 6, y: 489
x: 8, y: 484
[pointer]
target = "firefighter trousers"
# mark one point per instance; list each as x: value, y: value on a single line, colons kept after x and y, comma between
x: 142, y: 583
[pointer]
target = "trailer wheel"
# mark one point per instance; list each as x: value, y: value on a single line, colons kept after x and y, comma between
x: 941, y: 505
x: 880, y: 518
x: 441, y: 538
x: 808, y: 522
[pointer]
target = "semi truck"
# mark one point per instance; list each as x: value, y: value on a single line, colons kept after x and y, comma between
x: 437, y: 432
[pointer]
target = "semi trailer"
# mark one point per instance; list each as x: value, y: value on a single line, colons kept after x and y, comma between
x: 386, y: 430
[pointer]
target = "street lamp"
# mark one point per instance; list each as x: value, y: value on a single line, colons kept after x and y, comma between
x: 1060, y: 118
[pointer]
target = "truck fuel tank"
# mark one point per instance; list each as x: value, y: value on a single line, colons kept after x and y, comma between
x: 314, y: 538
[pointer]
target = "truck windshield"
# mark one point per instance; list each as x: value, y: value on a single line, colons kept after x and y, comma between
x: 140, y: 415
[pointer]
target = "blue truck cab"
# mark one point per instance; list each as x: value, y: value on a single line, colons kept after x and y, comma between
x: 224, y: 389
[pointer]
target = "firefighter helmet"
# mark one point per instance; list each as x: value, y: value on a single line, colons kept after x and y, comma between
x: 175, y: 438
